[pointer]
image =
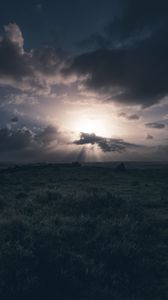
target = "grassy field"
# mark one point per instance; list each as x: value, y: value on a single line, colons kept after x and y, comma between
x: 83, y: 233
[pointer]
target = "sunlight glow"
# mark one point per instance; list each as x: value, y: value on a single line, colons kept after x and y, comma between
x: 90, y: 126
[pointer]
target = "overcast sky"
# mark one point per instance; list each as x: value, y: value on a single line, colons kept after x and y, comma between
x: 83, y: 80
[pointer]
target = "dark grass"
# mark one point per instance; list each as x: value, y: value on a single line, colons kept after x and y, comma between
x: 83, y: 233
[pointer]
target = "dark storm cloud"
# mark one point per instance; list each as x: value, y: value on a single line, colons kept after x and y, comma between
x: 14, y: 119
x: 22, y: 139
x: 137, y: 21
x: 12, y: 140
x: 47, y: 135
x: 105, y: 144
x: 130, y: 64
x: 132, y: 117
x: 149, y: 137
x: 155, y: 125
x: 36, y: 145
x: 13, y: 62
x: 48, y: 60
x: 33, y: 70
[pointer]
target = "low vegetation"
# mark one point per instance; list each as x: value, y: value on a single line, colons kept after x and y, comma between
x: 83, y: 233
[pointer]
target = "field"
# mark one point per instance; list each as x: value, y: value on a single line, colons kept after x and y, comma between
x: 83, y: 233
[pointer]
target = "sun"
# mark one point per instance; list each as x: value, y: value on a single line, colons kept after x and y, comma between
x: 90, y: 126
x: 96, y: 123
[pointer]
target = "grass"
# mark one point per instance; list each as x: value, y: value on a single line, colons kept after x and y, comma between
x: 83, y: 233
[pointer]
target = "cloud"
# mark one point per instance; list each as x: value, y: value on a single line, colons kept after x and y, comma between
x: 155, y: 125
x: 130, y: 62
x: 149, y: 137
x: 47, y: 135
x: 49, y: 144
x: 13, y: 34
x: 14, y: 119
x: 48, y: 60
x: 132, y: 23
x: 137, y: 21
x: 36, y: 145
x: 129, y: 65
x: 20, y: 139
x: 35, y: 70
x: 13, y: 61
x: 105, y: 144
x: 131, y: 117
x: 15, y: 140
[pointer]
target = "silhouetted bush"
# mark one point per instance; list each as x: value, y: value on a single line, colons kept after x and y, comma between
x: 121, y: 168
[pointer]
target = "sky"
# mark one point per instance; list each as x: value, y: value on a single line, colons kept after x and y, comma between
x: 83, y: 80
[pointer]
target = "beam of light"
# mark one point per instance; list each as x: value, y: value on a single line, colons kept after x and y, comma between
x: 89, y: 153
